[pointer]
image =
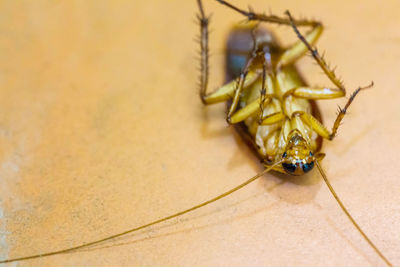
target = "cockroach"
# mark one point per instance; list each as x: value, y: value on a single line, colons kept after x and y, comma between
x: 268, y: 103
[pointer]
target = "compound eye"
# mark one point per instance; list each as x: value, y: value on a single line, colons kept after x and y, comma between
x: 308, y: 166
x: 289, y: 167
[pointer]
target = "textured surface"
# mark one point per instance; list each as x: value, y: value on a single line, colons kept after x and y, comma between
x: 101, y: 130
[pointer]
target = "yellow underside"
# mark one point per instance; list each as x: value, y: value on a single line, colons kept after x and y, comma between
x: 271, y: 139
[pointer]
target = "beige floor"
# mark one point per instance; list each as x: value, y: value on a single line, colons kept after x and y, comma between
x: 101, y: 130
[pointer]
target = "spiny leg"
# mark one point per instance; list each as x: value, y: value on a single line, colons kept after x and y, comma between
x: 228, y: 90
x: 342, y: 111
x: 204, y: 68
x: 265, y: 100
x: 233, y: 89
x: 266, y: 78
x: 314, y: 52
x: 268, y: 18
x: 317, y: 126
x: 258, y: 105
x: 299, y: 49
x: 263, y: 93
x: 296, y: 50
x: 242, y: 77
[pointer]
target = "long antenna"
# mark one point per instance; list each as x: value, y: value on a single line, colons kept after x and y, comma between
x: 71, y: 249
x: 349, y: 216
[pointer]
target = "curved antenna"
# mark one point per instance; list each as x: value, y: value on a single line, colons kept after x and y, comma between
x: 349, y: 216
x: 84, y: 245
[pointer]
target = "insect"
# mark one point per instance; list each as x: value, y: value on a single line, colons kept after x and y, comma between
x: 289, y: 148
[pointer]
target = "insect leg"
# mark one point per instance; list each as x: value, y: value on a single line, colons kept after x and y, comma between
x: 267, y: 81
x: 299, y: 49
x: 242, y: 77
x: 316, y: 93
x: 268, y: 18
x: 249, y: 109
x: 204, y: 51
x: 311, y: 121
x: 227, y: 91
x: 314, y: 52
x: 272, y: 118
x: 310, y: 94
x: 342, y: 111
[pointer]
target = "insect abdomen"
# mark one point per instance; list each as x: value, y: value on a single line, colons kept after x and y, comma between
x: 240, y: 44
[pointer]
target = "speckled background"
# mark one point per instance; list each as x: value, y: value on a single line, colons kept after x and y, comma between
x: 102, y: 130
